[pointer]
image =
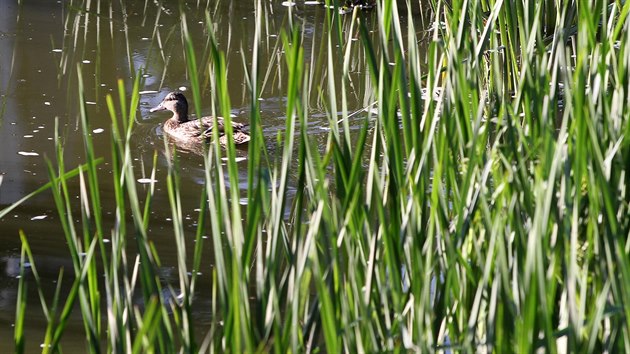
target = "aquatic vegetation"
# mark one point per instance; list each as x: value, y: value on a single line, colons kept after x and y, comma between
x: 479, y: 202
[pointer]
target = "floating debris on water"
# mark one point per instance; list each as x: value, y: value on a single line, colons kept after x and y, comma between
x: 238, y: 159
x: 146, y: 180
x: 98, y: 130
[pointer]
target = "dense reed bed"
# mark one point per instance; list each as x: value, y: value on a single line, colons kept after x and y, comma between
x: 480, y: 204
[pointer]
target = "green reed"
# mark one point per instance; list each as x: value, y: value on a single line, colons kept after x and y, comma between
x: 482, y: 207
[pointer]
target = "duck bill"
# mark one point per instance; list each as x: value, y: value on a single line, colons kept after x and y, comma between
x: 160, y: 107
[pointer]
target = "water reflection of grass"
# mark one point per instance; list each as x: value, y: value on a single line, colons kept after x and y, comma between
x: 480, y: 221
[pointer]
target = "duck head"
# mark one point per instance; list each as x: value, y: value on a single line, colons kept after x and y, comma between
x: 175, y: 102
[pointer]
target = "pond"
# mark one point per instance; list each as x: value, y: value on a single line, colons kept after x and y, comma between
x: 42, y: 46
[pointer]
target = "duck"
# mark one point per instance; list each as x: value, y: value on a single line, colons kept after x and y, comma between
x: 182, y: 129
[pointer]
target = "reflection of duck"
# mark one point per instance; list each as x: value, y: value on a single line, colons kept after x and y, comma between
x: 182, y: 129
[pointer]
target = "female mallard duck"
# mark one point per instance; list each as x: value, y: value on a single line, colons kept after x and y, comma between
x: 199, y: 130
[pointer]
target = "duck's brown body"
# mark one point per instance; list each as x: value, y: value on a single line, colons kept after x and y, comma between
x: 180, y: 128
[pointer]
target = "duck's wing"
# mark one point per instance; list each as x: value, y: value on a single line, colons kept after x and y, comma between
x: 182, y: 131
x: 240, y: 138
x: 208, y: 123
x: 194, y: 128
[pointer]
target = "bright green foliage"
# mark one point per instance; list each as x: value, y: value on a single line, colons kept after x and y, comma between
x: 484, y: 206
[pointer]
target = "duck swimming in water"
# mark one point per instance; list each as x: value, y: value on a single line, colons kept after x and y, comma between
x: 180, y: 128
